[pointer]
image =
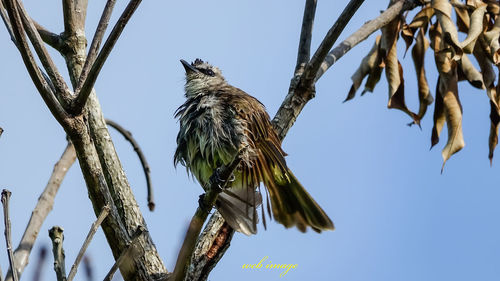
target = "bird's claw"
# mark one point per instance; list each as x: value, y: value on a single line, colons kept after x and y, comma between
x: 201, y: 202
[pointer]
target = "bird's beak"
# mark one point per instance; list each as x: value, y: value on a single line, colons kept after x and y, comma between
x: 188, y: 67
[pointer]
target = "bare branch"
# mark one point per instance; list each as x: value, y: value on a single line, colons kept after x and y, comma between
x: 83, y: 94
x: 304, y: 52
x: 96, y: 41
x: 62, y: 91
x: 90, y: 235
x: 217, y: 182
x: 313, y: 66
x: 366, y: 30
x: 8, y: 239
x: 6, y: 22
x: 145, y: 166
x: 57, y: 236
x: 126, y: 254
x: 41, y: 210
x: 54, y: 40
x: 74, y: 13
x: 30, y: 63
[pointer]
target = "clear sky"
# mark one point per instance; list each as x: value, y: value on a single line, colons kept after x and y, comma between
x: 397, y: 218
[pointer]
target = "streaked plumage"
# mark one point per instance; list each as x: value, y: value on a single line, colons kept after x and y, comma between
x: 218, y: 120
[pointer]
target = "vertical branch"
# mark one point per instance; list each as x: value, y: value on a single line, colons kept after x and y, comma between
x: 89, y: 80
x: 96, y: 41
x: 31, y: 65
x: 6, y: 22
x: 90, y: 235
x: 41, y: 210
x: 313, y: 66
x: 57, y: 237
x: 8, y: 239
x: 305, y: 36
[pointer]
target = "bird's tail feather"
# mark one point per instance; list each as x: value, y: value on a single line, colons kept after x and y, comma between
x: 293, y: 206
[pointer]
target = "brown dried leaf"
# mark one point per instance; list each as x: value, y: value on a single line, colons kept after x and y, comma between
x: 495, y: 120
x: 422, y: 18
x: 463, y: 19
x: 448, y: 88
x: 393, y: 69
x: 491, y: 38
x: 470, y: 73
x: 439, y: 118
x: 475, y: 27
x: 443, y: 13
x: 370, y: 62
x: 418, y: 56
x: 407, y: 35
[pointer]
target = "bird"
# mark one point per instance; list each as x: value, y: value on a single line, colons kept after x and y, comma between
x: 218, y: 122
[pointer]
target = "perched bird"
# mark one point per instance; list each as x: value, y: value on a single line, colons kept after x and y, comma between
x: 217, y: 121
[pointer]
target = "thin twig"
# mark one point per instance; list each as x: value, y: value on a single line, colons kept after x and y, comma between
x: 8, y: 239
x: 304, y: 51
x: 42, y: 209
x: 96, y: 41
x: 6, y: 21
x: 31, y: 65
x: 145, y: 166
x: 83, y: 94
x: 57, y: 236
x: 126, y: 253
x: 364, y: 31
x: 90, y: 235
x: 207, y: 202
x: 62, y: 90
x: 319, y: 56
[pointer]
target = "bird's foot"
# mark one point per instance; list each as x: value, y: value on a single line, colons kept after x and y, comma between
x: 203, y: 206
x: 219, y: 182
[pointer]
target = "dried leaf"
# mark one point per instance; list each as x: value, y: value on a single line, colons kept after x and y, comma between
x: 407, y: 35
x: 495, y: 121
x: 418, y: 56
x: 443, y: 13
x: 393, y: 69
x: 470, y: 72
x: 368, y: 64
x: 491, y: 38
x: 448, y: 88
x: 422, y: 18
x: 439, y: 118
x: 475, y: 28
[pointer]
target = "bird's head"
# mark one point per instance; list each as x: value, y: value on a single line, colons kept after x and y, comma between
x: 201, y: 77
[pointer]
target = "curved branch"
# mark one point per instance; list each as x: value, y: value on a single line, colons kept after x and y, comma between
x: 145, y: 166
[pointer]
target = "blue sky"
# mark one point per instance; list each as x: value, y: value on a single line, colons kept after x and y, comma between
x: 396, y: 216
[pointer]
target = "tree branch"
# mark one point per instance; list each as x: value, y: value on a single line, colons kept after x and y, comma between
x: 41, y: 210
x: 126, y: 254
x: 366, y: 30
x: 304, y: 51
x: 52, y: 39
x: 30, y: 63
x: 313, y: 65
x: 83, y: 93
x: 96, y: 41
x: 145, y: 166
x: 90, y: 235
x: 218, y: 181
x: 8, y: 239
x: 62, y: 91
x: 6, y: 22
x: 57, y: 236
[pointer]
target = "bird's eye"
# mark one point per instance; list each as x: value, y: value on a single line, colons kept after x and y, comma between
x: 209, y: 72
